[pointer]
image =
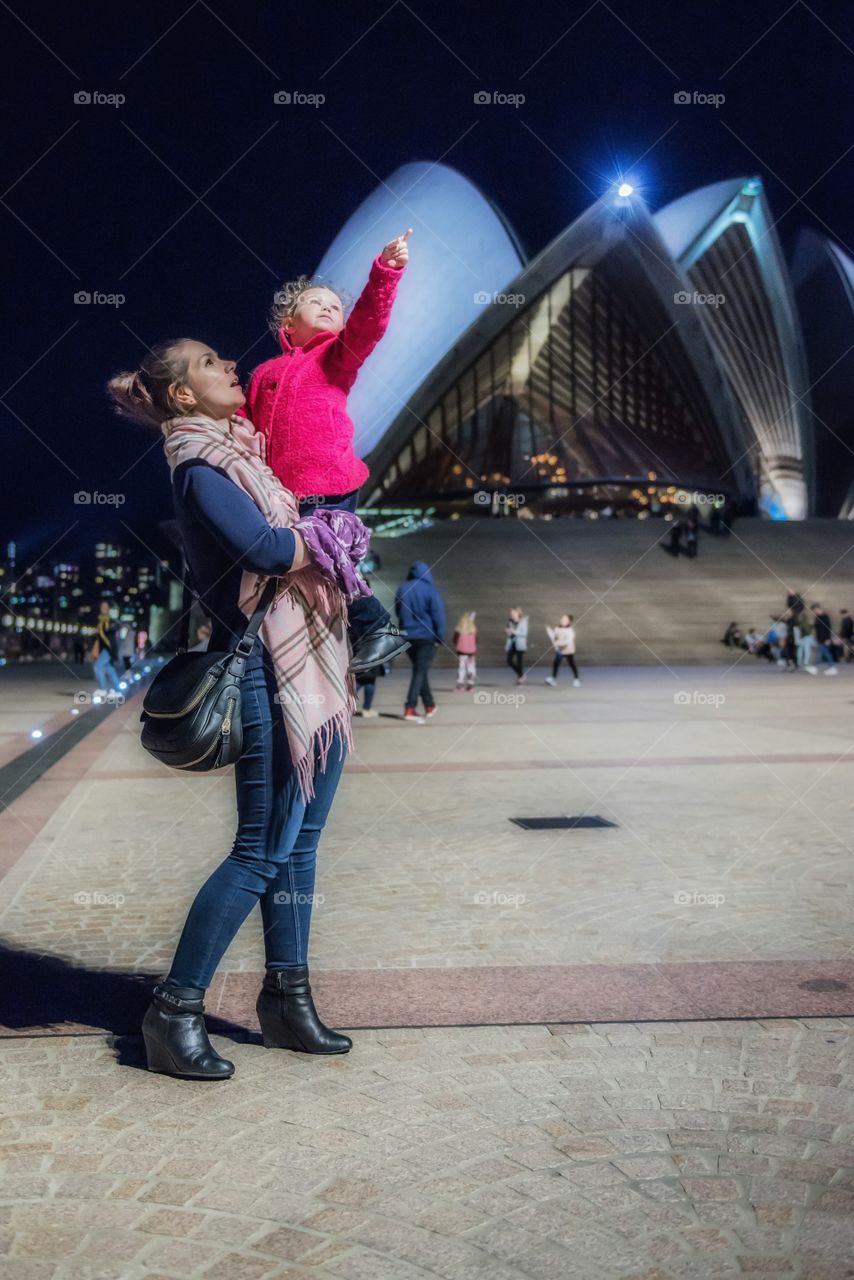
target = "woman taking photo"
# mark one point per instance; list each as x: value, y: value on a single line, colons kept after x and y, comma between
x: 236, y: 524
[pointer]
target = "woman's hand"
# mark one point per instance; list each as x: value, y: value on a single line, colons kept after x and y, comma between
x: 396, y: 252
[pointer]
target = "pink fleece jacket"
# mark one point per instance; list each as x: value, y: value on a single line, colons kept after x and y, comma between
x: 299, y: 399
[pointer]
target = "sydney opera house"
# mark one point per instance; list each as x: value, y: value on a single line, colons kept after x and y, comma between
x: 638, y: 357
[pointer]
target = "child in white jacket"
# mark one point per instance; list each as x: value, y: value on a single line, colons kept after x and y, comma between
x: 563, y: 638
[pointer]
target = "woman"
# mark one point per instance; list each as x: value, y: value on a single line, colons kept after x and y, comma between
x: 104, y: 653
x: 563, y: 639
x: 516, y: 631
x: 296, y: 704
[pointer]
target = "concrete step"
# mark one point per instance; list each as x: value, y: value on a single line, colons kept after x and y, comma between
x: 633, y: 603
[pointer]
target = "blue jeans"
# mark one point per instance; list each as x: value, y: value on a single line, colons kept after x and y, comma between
x: 104, y: 670
x: 274, y: 855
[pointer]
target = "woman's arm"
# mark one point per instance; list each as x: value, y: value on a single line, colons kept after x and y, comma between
x: 232, y: 517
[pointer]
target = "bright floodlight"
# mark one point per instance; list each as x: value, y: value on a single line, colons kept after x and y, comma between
x: 625, y: 189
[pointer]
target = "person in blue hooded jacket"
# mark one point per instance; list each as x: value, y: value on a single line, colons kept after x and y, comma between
x: 421, y: 615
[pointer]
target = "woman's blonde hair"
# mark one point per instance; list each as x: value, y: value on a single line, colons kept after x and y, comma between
x: 145, y: 394
x: 466, y: 625
x: 286, y: 299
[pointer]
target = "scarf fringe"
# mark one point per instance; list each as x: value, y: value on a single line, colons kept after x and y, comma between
x: 338, y: 726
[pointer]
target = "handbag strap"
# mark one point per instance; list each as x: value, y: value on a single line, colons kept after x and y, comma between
x: 247, y: 640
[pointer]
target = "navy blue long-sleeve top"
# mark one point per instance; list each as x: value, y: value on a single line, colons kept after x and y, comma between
x: 224, y: 533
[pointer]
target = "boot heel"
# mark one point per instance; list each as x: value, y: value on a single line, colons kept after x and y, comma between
x: 279, y: 1038
x: 156, y: 1057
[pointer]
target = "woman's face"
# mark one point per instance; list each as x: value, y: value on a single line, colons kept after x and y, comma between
x: 515, y: 615
x: 211, y: 385
x: 317, y: 311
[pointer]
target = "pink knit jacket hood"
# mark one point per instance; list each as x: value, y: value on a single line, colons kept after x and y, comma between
x: 299, y: 399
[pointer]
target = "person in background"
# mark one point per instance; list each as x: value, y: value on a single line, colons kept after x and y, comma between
x: 692, y: 533
x: 367, y: 682
x: 563, y: 638
x: 806, y: 643
x: 126, y: 647
x: 846, y: 635
x: 465, y: 647
x: 203, y: 635
x: 516, y: 643
x: 104, y: 653
x: 732, y: 637
x: 823, y: 639
x: 421, y: 616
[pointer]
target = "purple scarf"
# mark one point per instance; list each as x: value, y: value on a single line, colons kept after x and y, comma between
x: 338, y: 541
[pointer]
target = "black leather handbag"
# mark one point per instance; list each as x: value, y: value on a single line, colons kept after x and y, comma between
x: 191, y: 711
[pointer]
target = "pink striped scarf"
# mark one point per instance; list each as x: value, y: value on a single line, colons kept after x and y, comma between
x: 304, y: 630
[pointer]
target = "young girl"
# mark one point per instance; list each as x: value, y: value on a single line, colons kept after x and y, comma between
x: 299, y: 401
x: 516, y: 643
x: 465, y: 646
x: 563, y: 638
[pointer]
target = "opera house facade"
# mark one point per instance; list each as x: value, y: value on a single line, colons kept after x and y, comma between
x: 637, y: 359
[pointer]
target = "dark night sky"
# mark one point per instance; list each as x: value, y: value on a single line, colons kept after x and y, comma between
x: 83, y: 210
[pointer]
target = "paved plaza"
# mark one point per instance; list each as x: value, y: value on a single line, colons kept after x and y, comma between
x: 618, y: 1051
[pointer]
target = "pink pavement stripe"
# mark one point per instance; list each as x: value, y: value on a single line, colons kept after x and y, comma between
x: 511, y: 766
x: 533, y: 995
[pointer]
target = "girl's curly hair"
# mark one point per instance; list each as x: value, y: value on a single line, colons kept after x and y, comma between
x: 285, y: 299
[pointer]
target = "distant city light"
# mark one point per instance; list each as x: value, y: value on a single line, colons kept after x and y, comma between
x: 36, y: 733
x: 625, y: 189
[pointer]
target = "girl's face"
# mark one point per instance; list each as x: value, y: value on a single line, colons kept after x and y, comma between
x: 317, y: 311
x: 565, y: 620
x: 211, y: 385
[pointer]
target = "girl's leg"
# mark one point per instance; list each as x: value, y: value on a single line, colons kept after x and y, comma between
x: 555, y: 666
x: 570, y: 657
x: 98, y: 668
x: 294, y: 837
x: 233, y: 889
x: 471, y: 670
x: 461, y: 670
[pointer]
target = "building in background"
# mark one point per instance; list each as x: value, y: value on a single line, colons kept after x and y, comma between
x: 638, y: 358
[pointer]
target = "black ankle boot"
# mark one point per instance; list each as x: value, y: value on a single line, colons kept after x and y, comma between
x: 288, y: 1017
x: 176, y: 1041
